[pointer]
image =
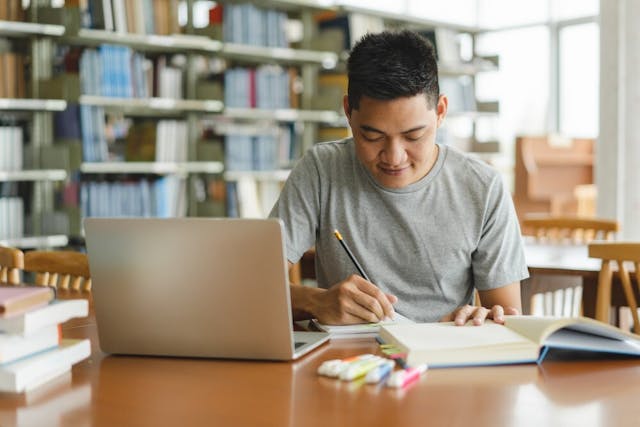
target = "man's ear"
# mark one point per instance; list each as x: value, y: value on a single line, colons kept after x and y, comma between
x: 345, y: 106
x: 441, y: 108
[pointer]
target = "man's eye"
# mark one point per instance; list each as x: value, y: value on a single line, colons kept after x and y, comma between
x: 372, y: 138
x: 414, y: 137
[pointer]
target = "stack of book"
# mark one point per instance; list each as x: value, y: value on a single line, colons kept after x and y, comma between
x: 32, y: 351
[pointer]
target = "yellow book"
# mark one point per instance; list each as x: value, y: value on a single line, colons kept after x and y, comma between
x: 522, y: 339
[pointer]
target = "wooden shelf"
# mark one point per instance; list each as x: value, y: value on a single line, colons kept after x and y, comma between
x: 34, y: 175
x: 29, y: 29
x: 25, y: 104
x: 29, y: 242
x: 158, y: 168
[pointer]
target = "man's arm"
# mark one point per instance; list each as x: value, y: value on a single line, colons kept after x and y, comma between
x: 354, y: 300
x: 495, y: 304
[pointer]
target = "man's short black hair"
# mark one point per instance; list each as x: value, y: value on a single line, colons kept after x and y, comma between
x: 390, y: 65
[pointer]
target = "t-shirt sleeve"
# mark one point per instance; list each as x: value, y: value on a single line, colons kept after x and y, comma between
x: 499, y: 258
x: 298, y: 207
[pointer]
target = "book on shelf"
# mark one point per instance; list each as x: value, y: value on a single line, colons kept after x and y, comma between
x: 11, y: 154
x: 11, y: 10
x: 15, y: 300
x: 160, y: 141
x: 11, y: 216
x: 163, y: 197
x: 138, y: 17
x: 352, y: 26
x: 253, y: 25
x: 265, y: 87
x: 28, y: 373
x: 12, y: 70
x: 522, y: 339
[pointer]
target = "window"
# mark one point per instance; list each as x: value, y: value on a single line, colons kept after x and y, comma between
x: 579, y: 72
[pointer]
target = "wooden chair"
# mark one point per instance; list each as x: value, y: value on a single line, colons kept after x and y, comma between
x: 566, y: 299
x: 621, y: 253
x: 11, y: 263
x: 59, y: 269
x: 558, y: 229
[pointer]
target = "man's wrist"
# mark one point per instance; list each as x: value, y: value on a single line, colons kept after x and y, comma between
x: 303, y: 300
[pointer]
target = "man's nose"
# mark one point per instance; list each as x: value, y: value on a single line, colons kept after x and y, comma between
x: 394, y: 152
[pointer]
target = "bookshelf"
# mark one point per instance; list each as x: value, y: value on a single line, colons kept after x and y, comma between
x: 26, y: 187
x: 200, y: 60
x: 103, y: 163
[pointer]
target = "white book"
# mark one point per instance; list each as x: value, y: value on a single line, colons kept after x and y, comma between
x: 14, y: 346
x: 119, y: 16
x: 56, y: 312
x: 31, y: 372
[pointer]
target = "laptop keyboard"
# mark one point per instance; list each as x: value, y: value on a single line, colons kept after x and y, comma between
x: 298, y: 344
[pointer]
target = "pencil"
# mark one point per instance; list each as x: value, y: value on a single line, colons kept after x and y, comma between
x: 353, y: 258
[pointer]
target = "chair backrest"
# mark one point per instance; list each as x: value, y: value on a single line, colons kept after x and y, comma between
x: 620, y: 252
x: 11, y: 262
x: 574, y: 229
x: 59, y: 269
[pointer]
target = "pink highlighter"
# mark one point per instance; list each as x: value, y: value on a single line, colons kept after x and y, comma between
x: 400, y: 379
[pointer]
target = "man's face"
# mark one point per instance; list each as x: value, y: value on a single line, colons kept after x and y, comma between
x: 395, y: 139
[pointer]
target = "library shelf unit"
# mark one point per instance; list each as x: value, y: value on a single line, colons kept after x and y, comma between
x: 191, y: 109
x: 37, y: 114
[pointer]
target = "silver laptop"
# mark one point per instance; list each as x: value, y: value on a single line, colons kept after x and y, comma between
x: 193, y: 287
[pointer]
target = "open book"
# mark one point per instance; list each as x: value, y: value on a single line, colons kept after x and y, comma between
x: 359, y: 330
x: 522, y: 339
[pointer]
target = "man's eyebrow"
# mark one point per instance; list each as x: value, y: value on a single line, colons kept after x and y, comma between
x: 414, y: 129
x: 372, y: 129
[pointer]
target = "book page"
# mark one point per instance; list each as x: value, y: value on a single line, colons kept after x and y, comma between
x: 538, y: 329
x: 535, y: 328
x: 445, y: 336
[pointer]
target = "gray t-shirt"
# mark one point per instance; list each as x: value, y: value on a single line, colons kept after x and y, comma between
x: 428, y: 243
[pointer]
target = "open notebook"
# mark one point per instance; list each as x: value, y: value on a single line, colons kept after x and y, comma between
x: 360, y: 330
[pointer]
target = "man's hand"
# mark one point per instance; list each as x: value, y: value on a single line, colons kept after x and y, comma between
x: 354, y: 300
x: 461, y: 315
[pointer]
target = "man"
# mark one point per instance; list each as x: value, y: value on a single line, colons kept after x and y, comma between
x: 427, y: 223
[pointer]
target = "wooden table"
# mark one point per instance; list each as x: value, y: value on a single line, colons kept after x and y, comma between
x: 144, y: 391
x: 547, y: 261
